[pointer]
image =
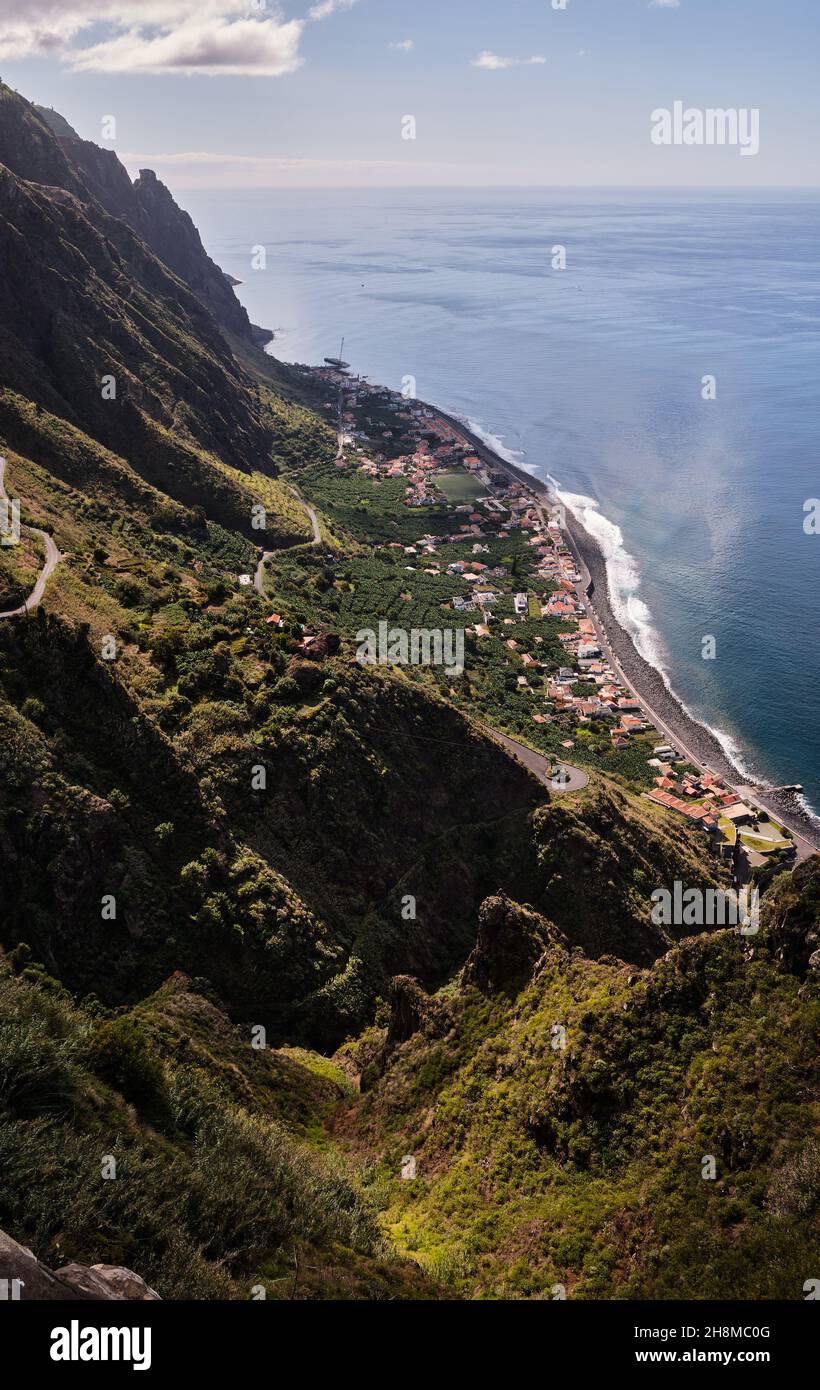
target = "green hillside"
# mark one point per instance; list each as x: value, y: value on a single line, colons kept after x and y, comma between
x: 214, y: 820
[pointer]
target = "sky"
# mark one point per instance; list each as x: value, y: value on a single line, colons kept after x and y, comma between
x: 231, y: 94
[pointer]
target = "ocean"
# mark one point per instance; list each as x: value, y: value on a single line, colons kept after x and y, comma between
x: 593, y: 376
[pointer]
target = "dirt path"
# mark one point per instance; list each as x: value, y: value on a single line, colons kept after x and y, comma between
x: 53, y: 558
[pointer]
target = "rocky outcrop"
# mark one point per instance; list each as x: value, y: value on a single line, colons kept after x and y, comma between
x: 82, y: 295
x: 412, y: 1011
x: 510, y: 940
x: 151, y: 211
x: 29, y: 1279
x: 56, y: 122
x: 171, y: 234
x: 28, y: 147
x: 107, y: 1281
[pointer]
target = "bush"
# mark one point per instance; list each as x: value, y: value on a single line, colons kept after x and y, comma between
x: 795, y: 1190
x: 129, y: 592
x: 33, y: 709
x: 286, y: 691
x: 120, y: 1053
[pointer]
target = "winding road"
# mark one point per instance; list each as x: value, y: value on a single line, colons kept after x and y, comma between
x: 569, y: 779
x: 259, y: 576
x: 53, y: 558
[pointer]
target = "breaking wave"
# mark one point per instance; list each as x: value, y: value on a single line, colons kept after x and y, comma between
x: 624, y: 578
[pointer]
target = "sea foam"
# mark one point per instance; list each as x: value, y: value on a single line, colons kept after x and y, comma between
x: 493, y: 441
x: 633, y: 614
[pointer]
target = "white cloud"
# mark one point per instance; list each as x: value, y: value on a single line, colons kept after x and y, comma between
x: 197, y: 169
x: 209, y: 37
x: 664, y: 4
x: 492, y: 61
x: 405, y: 45
x: 210, y: 47
x: 256, y: 161
x: 325, y: 8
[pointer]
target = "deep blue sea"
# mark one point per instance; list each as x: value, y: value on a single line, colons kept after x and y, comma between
x: 593, y: 376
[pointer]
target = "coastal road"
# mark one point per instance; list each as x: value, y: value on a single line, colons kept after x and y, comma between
x: 539, y: 765
x: 750, y: 795
x: 259, y: 576
x: 540, y: 490
x: 53, y: 558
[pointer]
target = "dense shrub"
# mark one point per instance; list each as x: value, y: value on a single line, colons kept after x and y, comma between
x: 120, y: 1053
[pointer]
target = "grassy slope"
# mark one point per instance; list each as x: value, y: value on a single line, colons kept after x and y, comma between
x: 219, y: 1188
x: 539, y: 1166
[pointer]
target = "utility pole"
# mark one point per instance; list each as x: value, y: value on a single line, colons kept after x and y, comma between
x: 339, y: 450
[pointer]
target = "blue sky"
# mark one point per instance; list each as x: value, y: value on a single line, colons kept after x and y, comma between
x: 241, y: 93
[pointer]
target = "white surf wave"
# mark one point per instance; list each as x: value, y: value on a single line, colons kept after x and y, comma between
x: 624, y: 577
x: 493, y: 441
x: 622, y: 571
x: 807, y: 808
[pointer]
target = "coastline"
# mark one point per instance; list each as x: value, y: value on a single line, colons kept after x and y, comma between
x: 693, y: 739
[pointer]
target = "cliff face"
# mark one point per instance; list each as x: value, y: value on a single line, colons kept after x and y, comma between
x: 151, y: 211
x: 146, y: 205
x: 171, y: 234
x: 29, y: 147
x: 84, y: 297
x: 56, y: 122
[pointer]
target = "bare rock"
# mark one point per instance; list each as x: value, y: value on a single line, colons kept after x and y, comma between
x: 412, y: 1011
x: 72, y: 1282
x: 125, y: 1283
x: 18, y: 1263
x: 85, y: 1282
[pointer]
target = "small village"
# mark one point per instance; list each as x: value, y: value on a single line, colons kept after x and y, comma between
x: 384, y: 435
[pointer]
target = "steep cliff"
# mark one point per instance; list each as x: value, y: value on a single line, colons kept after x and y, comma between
x: 150, y: 210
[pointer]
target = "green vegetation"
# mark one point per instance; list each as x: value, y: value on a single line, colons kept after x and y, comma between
x: 262, y: 931
x: 130, y: 1140
x: 590, y: 1149
x: 370, y: 510
x: 20, y: 566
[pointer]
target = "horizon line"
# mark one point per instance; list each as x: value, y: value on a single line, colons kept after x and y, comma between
x: 504, y: 187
